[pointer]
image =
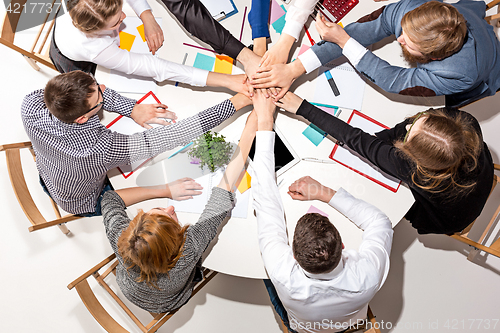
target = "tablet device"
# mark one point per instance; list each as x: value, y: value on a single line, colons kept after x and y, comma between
x: 284, y: 155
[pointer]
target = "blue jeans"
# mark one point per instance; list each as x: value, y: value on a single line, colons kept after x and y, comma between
x: 97, y: 212
x: 278, y: 306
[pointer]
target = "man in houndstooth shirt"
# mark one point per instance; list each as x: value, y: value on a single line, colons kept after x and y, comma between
x: 74, y: 150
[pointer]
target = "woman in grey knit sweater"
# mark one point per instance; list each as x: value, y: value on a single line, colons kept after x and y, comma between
x: 158, y: 259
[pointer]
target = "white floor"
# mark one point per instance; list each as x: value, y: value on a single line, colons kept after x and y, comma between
x: 431, y: 286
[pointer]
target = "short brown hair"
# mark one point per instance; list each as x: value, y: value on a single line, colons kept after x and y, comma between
x: 446, y: 145
x: 437, y: 28
x: 153, y: 243
x: 66, y: 95
x: 93, y: 15
x: 317, y: 245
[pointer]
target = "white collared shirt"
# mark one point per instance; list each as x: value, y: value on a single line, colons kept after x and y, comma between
x: 326, y: 302
x: 297, y: 15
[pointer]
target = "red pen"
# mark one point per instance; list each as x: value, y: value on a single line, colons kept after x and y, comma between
x: 309, y: 36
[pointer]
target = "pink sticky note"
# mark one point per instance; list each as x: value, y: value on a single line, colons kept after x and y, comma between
x: 327, y: 110
x: 304, y: 48
x: 313, y: 209
x: 276, y: 12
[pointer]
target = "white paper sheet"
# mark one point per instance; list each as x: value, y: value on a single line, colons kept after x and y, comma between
x: 351, y: 86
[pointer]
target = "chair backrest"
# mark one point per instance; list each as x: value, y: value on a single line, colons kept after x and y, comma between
x: 102, y: 316
x: 18, y: 182
x: 463, y: 236
x: 9, y: 28
x: 488, y: 7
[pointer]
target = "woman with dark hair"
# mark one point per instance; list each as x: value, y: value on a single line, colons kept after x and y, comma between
x: 159, y: 258
x: 439, y: 154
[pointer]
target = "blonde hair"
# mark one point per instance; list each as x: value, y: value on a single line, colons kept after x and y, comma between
x: 445, y: 147
x: 90, y: 16
x: 152, y: 242
x: 437, y: 28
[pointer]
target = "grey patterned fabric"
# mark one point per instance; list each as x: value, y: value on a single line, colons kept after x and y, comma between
x: 176, y: 287
x: 73, y: 159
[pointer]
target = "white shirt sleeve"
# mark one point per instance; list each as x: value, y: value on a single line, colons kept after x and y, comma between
x: 148, y: 65
x: 139, y: 6
x: 377, y: 235
x: 271, y: 225
x: 354, y: 51
x: 296, y: 16
x: 309, y: 60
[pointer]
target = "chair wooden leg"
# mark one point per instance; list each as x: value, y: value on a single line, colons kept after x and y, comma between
x: 64, y: 228
x: 32, y: 63
x: 283, y: 327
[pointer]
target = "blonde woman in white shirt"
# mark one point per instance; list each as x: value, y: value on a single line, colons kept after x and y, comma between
x: 89, y: 36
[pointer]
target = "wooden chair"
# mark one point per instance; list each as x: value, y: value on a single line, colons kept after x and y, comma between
x: 478, y: 246
x: 102, y: 316
x: 488, y: 7
x: 8, y: 33
x: 18, y: 182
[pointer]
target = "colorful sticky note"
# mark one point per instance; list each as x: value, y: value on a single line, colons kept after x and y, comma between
x: 304, y: 48
x: 331, y: 110
x: 223, y: 64
x: 126, y: 40
x: 203, y: 61
x: 245, y: 183
x: 276, y: 11
x: 313, y: 209
x: 140, y: 29
x: 314, y: 134
x: 279, y: 24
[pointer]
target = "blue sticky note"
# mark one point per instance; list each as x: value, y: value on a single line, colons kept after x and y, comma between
x: 314, y: 134
x: 203, y: 61
x: 279, y: 24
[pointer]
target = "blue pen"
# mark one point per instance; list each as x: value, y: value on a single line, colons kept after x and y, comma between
x: 180, y: 150
x: 329, y: 77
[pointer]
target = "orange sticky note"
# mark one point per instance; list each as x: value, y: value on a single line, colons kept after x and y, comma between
x: 141, y: 32
x: 245, y: 183
x: 126, y: 40
x: 223, y: 64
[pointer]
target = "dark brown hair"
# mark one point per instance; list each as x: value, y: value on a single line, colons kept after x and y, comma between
x: 153, y: 243
x: 93, y: 15
x: 437, y: 28
x: 446, y: 146
x: 317, y: 245
x: 66, y: 95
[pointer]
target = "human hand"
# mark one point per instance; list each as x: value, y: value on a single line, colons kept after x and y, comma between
x: 290, y: 102
x: 238, y: 83
x: 278, y: 53
x: 264, y: 108
x: 331, y: 32
x: 251, y: 63
x: 145, y: 114
x: 183, y: 189
x: 152, y: 31
x: 278, y: 75
x: 307, y: 188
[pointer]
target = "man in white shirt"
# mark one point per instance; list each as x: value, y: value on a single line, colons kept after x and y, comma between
x: 321, y: 286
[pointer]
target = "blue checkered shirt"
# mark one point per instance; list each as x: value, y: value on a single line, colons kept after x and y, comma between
x: 73, y: 159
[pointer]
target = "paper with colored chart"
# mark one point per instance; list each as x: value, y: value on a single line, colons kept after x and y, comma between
x: 132, y: 39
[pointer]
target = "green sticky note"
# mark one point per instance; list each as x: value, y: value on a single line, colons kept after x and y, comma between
x: 314, y: 134
x: 204, y: 62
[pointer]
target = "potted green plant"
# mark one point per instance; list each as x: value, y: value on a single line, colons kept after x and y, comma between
x: 212, y: 150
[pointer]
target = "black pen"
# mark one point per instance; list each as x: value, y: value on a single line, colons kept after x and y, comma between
x: 329, y: 77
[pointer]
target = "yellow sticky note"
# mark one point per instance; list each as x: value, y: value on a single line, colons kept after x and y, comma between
x: 126, y: 41
x: 340, y: 23
x: 141, y: 32
x: 245, y: 183
x: 223, y: 64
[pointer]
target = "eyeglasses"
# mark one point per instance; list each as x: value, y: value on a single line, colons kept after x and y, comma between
x: 413, y: 123
x: 100, y: 103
